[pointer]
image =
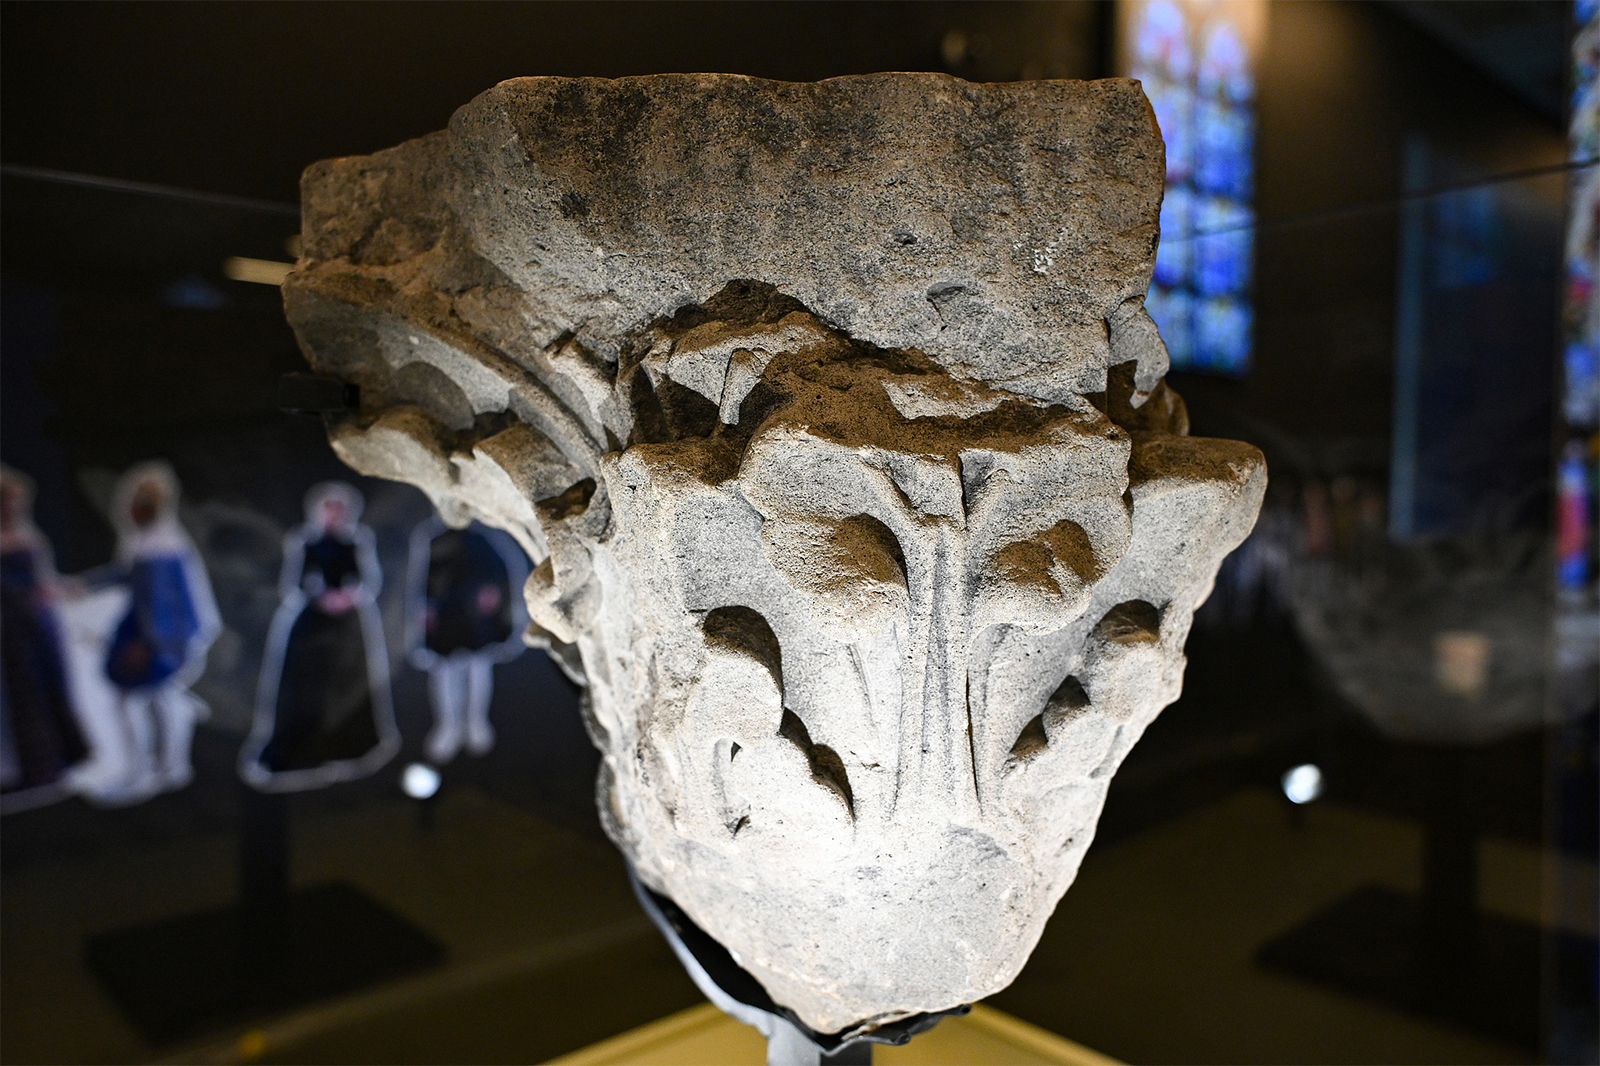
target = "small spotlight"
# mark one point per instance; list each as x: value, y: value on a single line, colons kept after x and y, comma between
x: 420, y: 781
x: 1303, y: 783
x: 259, y: 271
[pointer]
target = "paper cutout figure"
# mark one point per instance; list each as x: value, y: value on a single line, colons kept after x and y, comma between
x: 40, y: 739
x: 88, y: 619
x: 137, y: 641
x: 323, y: 712
x: 465, y: 614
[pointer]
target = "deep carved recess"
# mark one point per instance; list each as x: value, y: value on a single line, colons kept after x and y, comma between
x: 743, y: 630
x: 1133, y: 622
x: 826, y: 766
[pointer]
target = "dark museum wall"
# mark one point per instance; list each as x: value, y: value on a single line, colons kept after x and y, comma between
x: 1342, y: 87
x: 238, y: 98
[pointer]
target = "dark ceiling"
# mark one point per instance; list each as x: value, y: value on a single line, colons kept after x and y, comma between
x: 1522, y: 43
x: 239, y: 97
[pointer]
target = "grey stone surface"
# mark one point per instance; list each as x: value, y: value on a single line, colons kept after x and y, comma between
x: 835, y: 424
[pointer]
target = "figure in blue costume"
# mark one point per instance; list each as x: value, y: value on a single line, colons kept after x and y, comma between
x: 158, y: 648
x: 40, y: 738
x: 323, y: 713
x: 136, y: 642
x: 465, y: 614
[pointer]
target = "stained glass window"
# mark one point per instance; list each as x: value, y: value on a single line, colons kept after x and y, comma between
x: 1194, y: 62
x: 1581, y: 402
x: 1577, y: 479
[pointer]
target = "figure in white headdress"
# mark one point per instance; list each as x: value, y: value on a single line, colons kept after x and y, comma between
x: 465, y: 614
x: 163, y: 620
x: 323, y: 712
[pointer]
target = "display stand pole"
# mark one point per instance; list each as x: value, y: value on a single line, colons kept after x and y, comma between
x: 1449, y: 913
x: 264, y: 894
x: 272, y: 950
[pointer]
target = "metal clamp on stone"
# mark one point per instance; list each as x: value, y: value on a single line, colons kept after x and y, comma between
x: 316, y: 394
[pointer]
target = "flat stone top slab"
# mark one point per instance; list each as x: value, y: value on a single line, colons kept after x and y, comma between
x: 992, y: 227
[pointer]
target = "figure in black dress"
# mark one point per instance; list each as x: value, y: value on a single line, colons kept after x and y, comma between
x: 323, y: 712
x: 40, y: 738
x: 465, y: 616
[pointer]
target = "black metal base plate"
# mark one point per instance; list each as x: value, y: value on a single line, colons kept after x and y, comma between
x: 1484, y: 978
x: 184, y: 976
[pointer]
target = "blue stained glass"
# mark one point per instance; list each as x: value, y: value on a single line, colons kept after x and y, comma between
x: 1163, y: 39
x: 1196, y: 70
x: 1173, y: 311
x: 1175, y: 251
x: 1222, y: 251
x: 1222, y: 150
x: 1581, y: 403
x: 1583, y: 127
x: 1225, y: 65
x: 1222, y: 335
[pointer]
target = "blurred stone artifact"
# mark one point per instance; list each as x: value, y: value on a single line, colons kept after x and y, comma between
x: 323, y: 713
x: 463, y: 618
x: 835, y: 424
x: 138, y: 638
x: 1434, y: 640
x: 40, y: 740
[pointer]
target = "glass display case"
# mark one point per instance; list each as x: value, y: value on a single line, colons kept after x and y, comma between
x: 1366, y: 832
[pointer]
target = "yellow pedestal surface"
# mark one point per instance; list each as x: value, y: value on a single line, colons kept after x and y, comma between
x: 704, y: 1036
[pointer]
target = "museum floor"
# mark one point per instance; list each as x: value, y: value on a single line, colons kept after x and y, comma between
x: 1148, y: 959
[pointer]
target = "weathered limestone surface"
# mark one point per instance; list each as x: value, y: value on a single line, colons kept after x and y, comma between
x: 835, y: 424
